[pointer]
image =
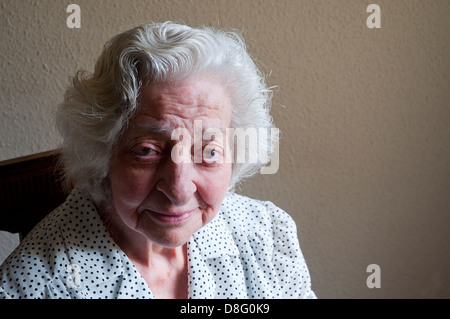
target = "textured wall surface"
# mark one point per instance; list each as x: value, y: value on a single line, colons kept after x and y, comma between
x: 364, y: 115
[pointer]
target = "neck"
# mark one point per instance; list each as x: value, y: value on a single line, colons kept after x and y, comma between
x: 148, y: 253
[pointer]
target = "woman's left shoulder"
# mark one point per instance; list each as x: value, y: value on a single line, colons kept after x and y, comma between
x: 253, y: 215
x: 266, y: 237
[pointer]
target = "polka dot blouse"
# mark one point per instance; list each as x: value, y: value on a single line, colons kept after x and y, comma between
x: 249, y: 250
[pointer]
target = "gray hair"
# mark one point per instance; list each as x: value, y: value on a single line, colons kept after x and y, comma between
x: 98, y: 107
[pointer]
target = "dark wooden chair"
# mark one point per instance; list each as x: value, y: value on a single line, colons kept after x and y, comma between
x: 30, y: 188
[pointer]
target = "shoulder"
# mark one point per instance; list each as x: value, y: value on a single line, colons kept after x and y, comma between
x: 252, y: 214
x: 31, y: 266
x: 41, y: 263
x: 266, y: 237
x: 261, y: 223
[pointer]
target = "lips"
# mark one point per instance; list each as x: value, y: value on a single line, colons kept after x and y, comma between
x: 169, y: 218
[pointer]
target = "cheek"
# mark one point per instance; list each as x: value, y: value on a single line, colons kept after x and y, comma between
x: 213, y: 186
x: 129, y: 186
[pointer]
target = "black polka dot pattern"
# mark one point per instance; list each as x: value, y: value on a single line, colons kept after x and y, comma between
x: 249, y: 250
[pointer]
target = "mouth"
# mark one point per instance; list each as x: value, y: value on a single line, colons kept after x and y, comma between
x: 169, y: 218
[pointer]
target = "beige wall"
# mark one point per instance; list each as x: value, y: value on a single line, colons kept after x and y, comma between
x: 365, y: 116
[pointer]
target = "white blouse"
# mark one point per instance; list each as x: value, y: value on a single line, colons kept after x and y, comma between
x: 249, y: 250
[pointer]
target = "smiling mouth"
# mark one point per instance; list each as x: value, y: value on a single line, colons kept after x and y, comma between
x: 167, y: 218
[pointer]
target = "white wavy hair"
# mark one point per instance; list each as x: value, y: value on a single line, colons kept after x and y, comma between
x: 98, y: 107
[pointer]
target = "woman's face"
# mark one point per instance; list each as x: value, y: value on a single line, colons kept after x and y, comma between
x: 155, y: 196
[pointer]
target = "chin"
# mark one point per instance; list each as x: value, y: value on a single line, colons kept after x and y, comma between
x: 169, y: 236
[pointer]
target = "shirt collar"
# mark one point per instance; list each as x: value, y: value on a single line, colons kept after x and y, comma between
x: 214, y: 240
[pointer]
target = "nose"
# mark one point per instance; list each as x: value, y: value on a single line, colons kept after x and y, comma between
x: 177, y: 182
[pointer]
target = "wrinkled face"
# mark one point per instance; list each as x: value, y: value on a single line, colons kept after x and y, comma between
x: 167, y: 200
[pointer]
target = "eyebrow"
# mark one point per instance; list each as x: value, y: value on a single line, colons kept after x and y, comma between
x: 153, y: 130
x: 159, y: 131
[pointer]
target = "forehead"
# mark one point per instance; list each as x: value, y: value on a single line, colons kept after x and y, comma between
x: 178, y: 104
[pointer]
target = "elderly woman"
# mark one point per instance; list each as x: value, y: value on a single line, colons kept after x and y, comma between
x: 152, y: 213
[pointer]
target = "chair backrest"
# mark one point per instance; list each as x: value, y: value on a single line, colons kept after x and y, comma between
x: 30, y: 188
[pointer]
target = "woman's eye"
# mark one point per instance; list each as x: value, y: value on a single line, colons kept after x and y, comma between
x: 145, y: 151
x: 209, y: 154
x: 212, y: 154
